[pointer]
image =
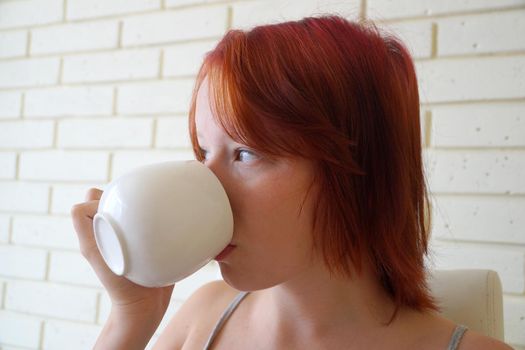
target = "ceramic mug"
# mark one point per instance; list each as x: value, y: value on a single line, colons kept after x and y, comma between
x: 159, y: 223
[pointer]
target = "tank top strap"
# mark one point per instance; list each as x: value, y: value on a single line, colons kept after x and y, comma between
x: 456, y: 337
x: 224, y: 317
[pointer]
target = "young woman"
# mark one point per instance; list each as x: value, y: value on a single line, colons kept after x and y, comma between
x: 312, y: 127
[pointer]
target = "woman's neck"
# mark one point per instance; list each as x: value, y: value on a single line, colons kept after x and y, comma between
x: 315, y: 303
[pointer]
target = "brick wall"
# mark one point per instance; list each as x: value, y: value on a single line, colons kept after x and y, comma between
x: 90, y: 89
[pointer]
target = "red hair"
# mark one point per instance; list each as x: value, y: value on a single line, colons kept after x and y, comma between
x: 345, y: 96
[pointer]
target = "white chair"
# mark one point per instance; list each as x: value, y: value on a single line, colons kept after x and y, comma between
x: 470, y: 297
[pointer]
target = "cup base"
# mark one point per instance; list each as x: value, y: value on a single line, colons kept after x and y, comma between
x: 109, y: 244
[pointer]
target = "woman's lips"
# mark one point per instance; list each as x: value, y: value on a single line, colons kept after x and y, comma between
x: 225, y: 252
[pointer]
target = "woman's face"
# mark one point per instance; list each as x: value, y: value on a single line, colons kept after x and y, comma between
x: 272, y: 234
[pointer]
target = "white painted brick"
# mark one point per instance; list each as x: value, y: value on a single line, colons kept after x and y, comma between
x: 119, y: 65
x: 26, y: 134
x: 22, y: 262
x: 173, y: 132
x: 24, y: 197
x: 45, y: 231
x: 10, y: 104
x: 65, y: 196
x: 68, y: 335
x: 417, y: 36
x: 479, y: 125
x: 74, y: 37
x: 13, y: 44
x: 508, y: 263
x: 50, y: 299
x: 493, y: 32
x: 113, y: 132
x: 378, y: 9
x: 19, y: 330
x: 77, y: 9
x: 64, y: 166
x: 69, y: 101
x: 4, y: 233
x: 7, y: 165
x: 8, y: 347
x: 157, y: 97
x: 471, y: 79
x: 177, y: 3
x: 72, y: 267
x: 476, y: 171
x: 30, y: 12
x: 489, y: 219
x: 514, y: 319
x: 29, y: 72
x: 185, y: 59
x: 126, y: 161
x: 183, y: 289
x: 249, y: 14
x: 104, y: 308
x: 203, y: 22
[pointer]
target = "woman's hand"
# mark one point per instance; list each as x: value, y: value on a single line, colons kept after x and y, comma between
x: 128, y: 299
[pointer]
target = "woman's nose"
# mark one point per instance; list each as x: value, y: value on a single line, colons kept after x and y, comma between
x: 214, y: 164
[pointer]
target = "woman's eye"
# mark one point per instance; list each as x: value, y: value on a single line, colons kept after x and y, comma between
x: 246, y: 156
x: 242, y: 155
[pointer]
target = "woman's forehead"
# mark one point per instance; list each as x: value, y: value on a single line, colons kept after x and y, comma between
x: 206, y: 126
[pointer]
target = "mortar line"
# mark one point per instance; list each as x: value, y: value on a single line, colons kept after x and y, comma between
x: 362, y: 10
x: 119, y: 35
x: 10, y: 230
x: 55, y: 135
x: 64, y: 9
x: 428, y: 128
x: 60, y: 71
x: 229, y: 18
x: 98, y: 303
x: 22, y: 104
x: 110, y: 166
x: 28, y: 44
x: 17, y: 166
x: 42, y: 331
x: 50, y: 200
x: 48, y: 265
x: 154, y: 132
x: 115, y: 101
x: 4, y: 294
x: 161, y: 64
x: 434, y: 47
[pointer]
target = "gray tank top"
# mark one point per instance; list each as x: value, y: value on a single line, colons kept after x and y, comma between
x: 452, y: 345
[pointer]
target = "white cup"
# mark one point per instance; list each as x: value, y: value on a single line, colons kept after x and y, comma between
x: 162, y: 222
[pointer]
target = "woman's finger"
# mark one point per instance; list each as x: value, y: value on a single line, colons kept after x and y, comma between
x: 93, y: 194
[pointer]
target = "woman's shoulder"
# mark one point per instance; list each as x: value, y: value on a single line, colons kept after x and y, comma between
x: 196, y: 318
x: 476, y: 341
x: 433, y: 331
